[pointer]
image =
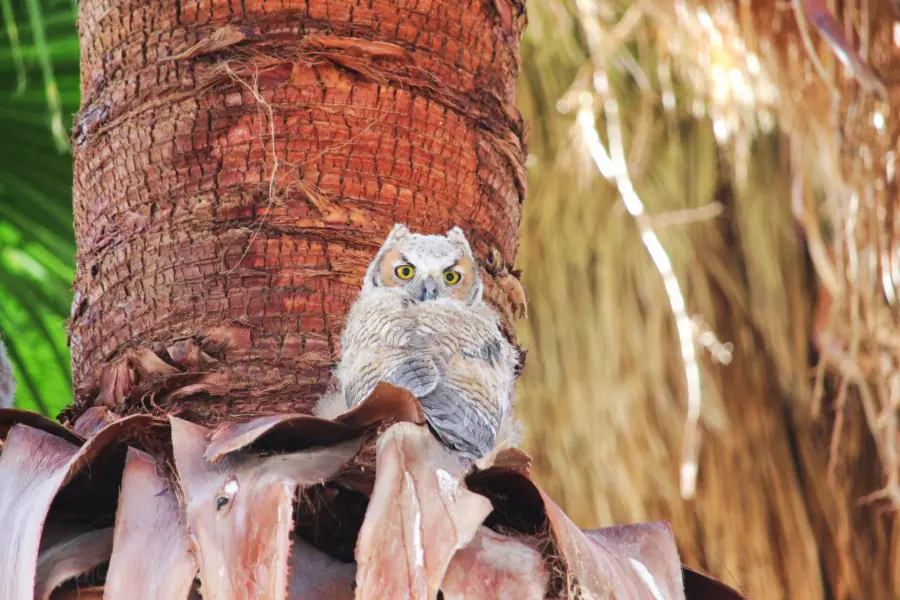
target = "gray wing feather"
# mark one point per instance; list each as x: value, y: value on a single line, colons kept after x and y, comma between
x: 459, y: 423
x: 418, y: 374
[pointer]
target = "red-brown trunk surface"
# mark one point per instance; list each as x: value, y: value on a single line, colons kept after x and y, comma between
x: 237, y: 164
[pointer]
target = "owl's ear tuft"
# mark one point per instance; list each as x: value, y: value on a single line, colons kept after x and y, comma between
x: 399, y: 231
x: 458, y: 237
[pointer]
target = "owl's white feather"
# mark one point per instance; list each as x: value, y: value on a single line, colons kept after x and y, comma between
x: 7, y: 380
x: 427, y: 329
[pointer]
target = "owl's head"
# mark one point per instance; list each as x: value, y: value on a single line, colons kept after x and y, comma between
x: 426, y: 267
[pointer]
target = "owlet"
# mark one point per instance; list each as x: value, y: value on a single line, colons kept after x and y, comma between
x: 420, y: 323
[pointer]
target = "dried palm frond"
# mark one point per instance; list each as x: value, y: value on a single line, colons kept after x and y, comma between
x: 151, y: 508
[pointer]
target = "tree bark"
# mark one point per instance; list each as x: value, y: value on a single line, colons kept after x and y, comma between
x: 237, y: 164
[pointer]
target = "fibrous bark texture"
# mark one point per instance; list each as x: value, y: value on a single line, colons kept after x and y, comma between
x: 237, y: 163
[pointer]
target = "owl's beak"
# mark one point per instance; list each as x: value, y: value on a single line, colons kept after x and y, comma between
x: 427, y: 290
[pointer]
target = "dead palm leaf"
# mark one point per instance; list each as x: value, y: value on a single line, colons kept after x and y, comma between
x: 137, y: 510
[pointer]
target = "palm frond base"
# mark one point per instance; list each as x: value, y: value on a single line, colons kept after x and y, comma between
x: 368, y: 505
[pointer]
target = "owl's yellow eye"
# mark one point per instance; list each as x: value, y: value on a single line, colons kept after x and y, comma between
x: 405, y: 272
x: 452, y: 277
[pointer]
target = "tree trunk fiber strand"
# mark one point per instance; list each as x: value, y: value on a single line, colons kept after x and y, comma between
x: 237, y: 164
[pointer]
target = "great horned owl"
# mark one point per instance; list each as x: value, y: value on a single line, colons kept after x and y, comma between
x: 420, y: 323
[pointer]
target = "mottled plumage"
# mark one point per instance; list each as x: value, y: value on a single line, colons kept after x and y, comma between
x: 7, y: 381
x: 420, y: 323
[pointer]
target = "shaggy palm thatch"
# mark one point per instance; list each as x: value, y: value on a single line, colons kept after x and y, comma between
x: 766, y: 171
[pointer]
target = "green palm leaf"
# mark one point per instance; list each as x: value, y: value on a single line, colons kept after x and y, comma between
x: 39, y: 93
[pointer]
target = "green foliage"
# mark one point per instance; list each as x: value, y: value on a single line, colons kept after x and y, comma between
x: 39, y: 94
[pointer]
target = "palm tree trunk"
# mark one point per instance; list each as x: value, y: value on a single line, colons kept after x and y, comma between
x: 238, y: 163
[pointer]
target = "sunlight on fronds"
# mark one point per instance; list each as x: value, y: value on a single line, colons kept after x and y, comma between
x: 36, y: 236
x: 12, y: 32
x: 36, y: 19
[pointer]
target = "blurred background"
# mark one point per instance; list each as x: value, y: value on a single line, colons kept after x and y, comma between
x: 707, y: 248
x: 39, y: 94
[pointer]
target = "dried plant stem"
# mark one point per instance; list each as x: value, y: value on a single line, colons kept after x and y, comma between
x: 613, y: 166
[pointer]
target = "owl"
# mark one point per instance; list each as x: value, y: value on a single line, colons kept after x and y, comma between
x: 420, y: 323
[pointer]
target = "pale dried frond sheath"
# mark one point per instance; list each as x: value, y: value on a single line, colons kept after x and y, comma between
x: 369, y: 505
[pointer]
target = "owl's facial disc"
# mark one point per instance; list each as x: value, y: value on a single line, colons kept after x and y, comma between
x: 427, y: 267
x: 423, y: 273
